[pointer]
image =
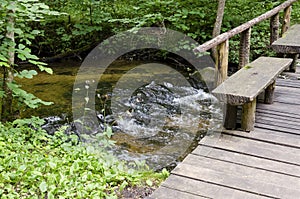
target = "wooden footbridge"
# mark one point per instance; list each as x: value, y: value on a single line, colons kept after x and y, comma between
x: 262, y: 158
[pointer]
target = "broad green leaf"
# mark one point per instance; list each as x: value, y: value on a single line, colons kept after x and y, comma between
x: 52, y: 165
x: 43, y: 187
x: 22, y: 167
x: 2, y: 58
x: 48, y: 70
x: 149, y: 183
x: 21, y: 46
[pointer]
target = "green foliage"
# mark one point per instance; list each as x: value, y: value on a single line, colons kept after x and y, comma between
x: 16, y: 35
x: 34, y: 164
x: 90, y: 22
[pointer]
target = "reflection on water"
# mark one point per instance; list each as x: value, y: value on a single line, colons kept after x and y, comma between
x: 157, y: 115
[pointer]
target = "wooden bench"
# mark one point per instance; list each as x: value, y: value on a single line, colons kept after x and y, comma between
x: 289, y: 44
x: 244, y: 86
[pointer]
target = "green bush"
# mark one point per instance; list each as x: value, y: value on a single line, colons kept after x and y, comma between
x: 34, y: 164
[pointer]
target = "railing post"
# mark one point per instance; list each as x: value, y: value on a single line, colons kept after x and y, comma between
x: 221, y: 75
x: 244, y: 51
x: 222, y: 62
x: 274, y: 28
x: 286, y: 19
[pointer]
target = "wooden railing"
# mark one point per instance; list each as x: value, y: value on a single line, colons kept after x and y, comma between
x: 221, y: 42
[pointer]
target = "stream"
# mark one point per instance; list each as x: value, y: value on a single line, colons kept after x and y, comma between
x: 155, y: 113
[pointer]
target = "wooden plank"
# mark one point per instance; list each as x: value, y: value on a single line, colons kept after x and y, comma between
x: 253, y: 147
x: 248, y: 160
x: 292, y: 123
x: 270, y: 113
x: 251, y: 173
x: 269, y: 136
x: 285, y: 124
x: 240, y: 177
x: 206, y: 189
x: 287, y: 92
x: 259, y: 74
x: 288, y: 83
x: 287, y: 99
x: 276, y: 106
x: 289, y: 42
x: 276, y: 128
x: 167, y: 193
x: 290, y: 118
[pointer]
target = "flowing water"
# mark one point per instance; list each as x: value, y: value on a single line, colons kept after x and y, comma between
x: 156, y: 114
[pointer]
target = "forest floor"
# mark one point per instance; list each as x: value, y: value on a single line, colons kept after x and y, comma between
x: 136, y: 192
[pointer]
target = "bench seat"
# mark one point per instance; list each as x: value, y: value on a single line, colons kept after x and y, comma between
x: 289, y: 44
x: 244, y: 86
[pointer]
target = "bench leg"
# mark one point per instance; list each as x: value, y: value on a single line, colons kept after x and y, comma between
x: 230, y: 117
x: 269, y: 94
x: 248, y: 116
x: 294, y: 63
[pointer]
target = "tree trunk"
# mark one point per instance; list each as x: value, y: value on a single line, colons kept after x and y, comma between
x: 6, y: 109
x: 218, y: 24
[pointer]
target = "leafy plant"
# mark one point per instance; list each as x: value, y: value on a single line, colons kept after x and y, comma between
x: 34, y: 164
x: 16, y: 36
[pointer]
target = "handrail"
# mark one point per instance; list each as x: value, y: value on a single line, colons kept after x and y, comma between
x: 221, y: 42
x: 227, y: 35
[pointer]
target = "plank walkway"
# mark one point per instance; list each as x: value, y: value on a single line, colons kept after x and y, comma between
x: 264, y: 163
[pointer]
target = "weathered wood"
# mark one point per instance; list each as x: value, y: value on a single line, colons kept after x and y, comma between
x: 230, y: 117
x: 284, y: 116
x: 248, y: 116
x: 263, y: 163
x: 288, y: 83
x: 269, y: 93
x: 274, y: 26
x: 222, y: 62
x: 286, y: 19
x: 289, y: 43
x: 247, y: 83
x: 278, y: 123
x: 167, y: 193
x: 244, y: 51
x: 227, y: 35
x: 286, y: 108
x: 206, y: 189
x: 278, y: 138
x: 247, y: 160
x: 276, y: 128
x: 239, y: 177
x: 294, y: 63
x: 218, y: 25
x: 277, y: 117
x: 243, y: 171
x: 255, y: 148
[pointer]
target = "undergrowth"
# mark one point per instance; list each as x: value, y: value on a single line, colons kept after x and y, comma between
x: 34, y: 164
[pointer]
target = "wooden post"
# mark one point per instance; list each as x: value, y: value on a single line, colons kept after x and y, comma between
x: 269, y: 94
x: 294, y: 63
x: 244, y: 51
x: 274, y: 26
x: 221, y: 62
x: 230, y: 117
x: 248, y: 116
x: 286, y: 19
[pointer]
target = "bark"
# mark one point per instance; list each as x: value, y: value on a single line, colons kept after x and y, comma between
x: 218, y: 24
x: 6, y: 109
